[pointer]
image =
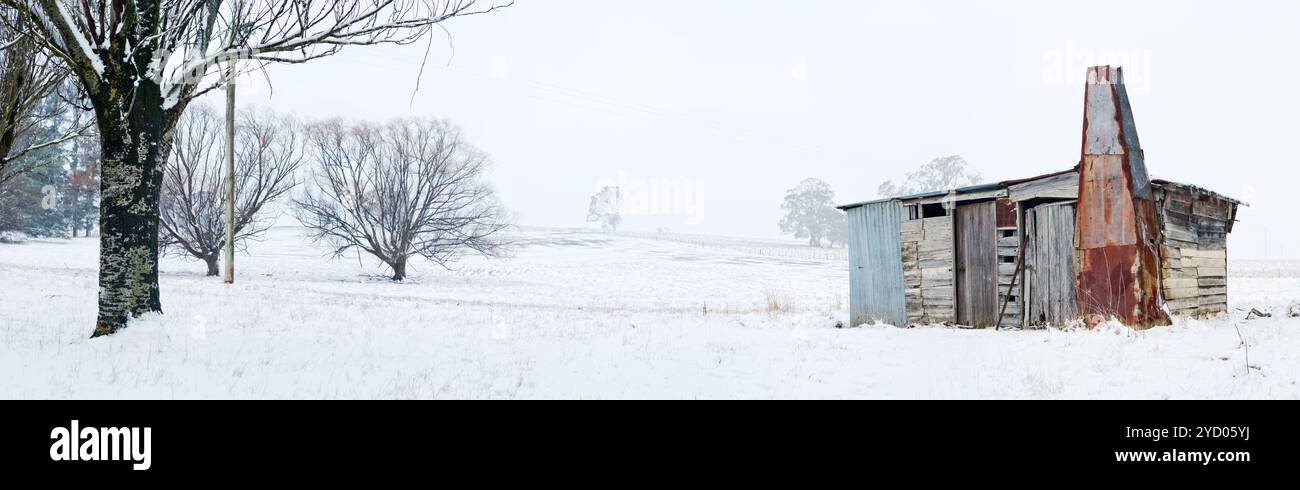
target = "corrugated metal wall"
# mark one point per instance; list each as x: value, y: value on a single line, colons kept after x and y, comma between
x: 876, y: 264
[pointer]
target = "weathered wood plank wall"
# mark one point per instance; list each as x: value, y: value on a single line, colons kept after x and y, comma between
x: 1194, y: 251
x: 927, y: 246
x: 1008, y: 285
x: 1062, y: 186
x: 1008, y: 253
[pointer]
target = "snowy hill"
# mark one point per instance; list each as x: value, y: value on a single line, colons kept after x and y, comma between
x: 576, y: 314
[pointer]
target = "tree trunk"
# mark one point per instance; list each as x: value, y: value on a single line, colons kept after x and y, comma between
x: 213, y: 265
x: 135, y: 137
x: 399, y: 269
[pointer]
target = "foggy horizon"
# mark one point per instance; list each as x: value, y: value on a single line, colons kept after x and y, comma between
x: 743, y: 104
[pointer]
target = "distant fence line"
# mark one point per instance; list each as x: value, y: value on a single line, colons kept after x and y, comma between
x: 1264, y: 268
x: 745, y: 246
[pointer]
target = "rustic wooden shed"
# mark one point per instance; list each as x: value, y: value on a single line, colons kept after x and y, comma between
x: 959, y: 258
x: 1098, y: 241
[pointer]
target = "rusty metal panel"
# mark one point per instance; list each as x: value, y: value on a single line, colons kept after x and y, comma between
x: 1006, y: 213
x: 1117, y: 225
x: 1109, y: 127
x: 977, y: 264
x: 1105, y: 203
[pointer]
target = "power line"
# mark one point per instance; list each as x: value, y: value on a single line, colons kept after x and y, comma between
x: 585, y: 100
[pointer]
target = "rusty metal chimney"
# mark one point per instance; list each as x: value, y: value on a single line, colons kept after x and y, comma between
x: 1119, y: 236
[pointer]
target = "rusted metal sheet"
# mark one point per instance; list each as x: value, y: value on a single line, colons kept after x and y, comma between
x: 1006, y: 213
x: 1106, y: 215
x: 1116, y: 227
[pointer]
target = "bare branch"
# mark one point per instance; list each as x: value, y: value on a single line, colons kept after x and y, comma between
x: 28, y: 80
x: 296, y: 31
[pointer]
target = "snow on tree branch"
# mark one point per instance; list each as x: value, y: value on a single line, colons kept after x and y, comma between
x: 178, y: 44
x: 294, y: 31
x: 29, y: 86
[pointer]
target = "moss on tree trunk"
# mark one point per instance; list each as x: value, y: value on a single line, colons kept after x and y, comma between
x: 135, y: 137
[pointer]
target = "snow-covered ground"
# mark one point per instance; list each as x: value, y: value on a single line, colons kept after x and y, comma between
x: 578, y: 314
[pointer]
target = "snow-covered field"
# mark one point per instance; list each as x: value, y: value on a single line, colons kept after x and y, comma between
x: 578, y: 314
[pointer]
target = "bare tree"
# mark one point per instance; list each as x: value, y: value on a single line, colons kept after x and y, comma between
x: 29, y: 82
x: 267, y: 157
x: 409, y: 188
x: 941, y: 174
x: 142, y: 62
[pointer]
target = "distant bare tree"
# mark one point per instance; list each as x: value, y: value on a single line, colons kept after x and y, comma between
x: 29, y: 80
x: 606, y: 208
x: 267, y: 157
x: 409, y: 188
x: 941, y: 174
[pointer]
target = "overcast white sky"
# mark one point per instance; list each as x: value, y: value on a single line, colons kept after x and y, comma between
x: 743, y: 99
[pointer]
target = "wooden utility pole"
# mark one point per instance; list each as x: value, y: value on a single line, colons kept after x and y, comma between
x: 230, y: 174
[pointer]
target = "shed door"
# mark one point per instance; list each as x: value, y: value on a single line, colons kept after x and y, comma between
x: 977, y: 264
x: 1049, y: 265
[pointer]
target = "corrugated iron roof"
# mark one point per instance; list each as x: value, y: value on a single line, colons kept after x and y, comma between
x: 924, y: 195
x: 1009, y: 183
